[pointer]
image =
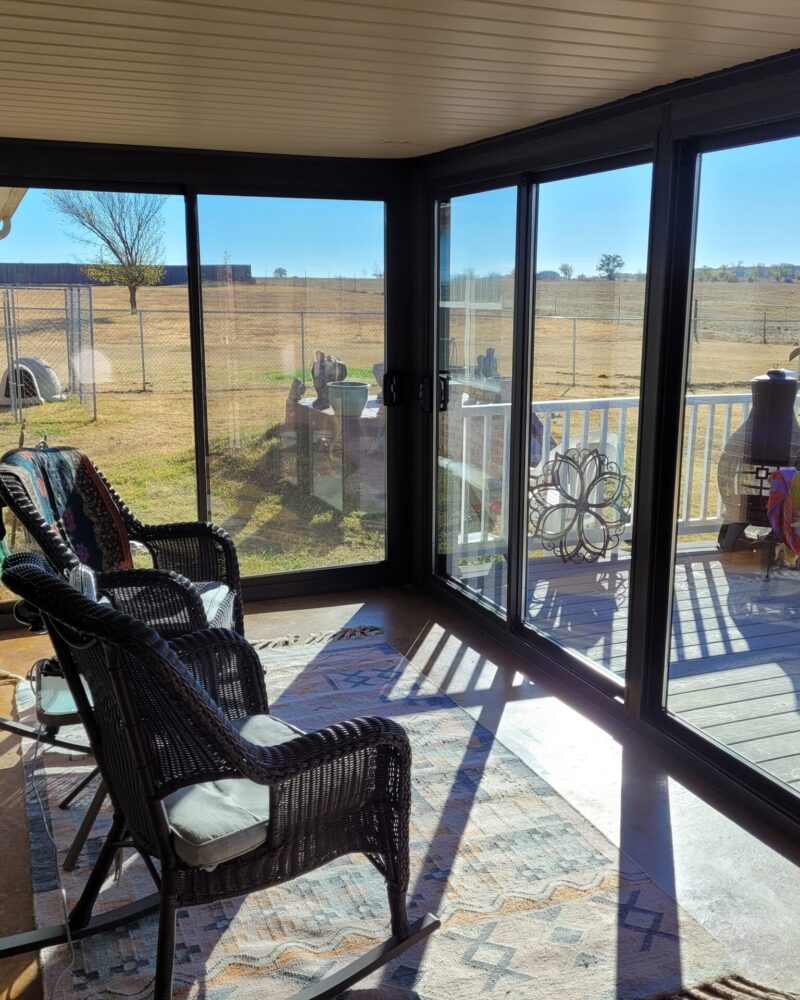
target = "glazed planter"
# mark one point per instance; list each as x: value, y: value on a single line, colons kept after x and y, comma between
x: 348, y: 398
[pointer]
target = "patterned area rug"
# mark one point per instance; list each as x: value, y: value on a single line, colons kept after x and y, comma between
x: 729, y: 988
x: 535, y: 903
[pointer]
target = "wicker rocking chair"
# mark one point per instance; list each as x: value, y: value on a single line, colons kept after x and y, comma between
x: 72, y: 513
x: 172, y: 722
x: 75, y: 517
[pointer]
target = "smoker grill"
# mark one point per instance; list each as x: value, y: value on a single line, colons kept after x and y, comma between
x: 768, y: 440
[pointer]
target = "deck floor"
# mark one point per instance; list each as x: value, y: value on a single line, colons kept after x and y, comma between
x: 735, y: 660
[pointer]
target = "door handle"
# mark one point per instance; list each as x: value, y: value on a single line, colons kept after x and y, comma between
x: 391, y: 389
x: 443, y: 395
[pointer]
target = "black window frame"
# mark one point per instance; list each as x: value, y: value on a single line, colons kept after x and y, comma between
x: 669, y: 125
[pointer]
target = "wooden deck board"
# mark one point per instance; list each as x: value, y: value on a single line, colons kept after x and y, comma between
x: 735, y: 670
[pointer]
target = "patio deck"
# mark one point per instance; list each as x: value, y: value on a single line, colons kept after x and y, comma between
x: 735, y: 670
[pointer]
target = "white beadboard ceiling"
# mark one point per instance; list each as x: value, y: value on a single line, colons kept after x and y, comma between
x: 370, y: 78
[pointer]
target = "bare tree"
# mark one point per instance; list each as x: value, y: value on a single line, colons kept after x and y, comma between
x: 565, y: 270
x: 126, y: 231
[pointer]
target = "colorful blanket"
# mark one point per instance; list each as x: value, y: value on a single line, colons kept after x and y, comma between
x: 783, y: 507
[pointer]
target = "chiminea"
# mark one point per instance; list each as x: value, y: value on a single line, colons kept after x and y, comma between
x: 768, y: 440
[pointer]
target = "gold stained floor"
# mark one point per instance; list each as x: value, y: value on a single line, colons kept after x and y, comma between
x: 738, y: 879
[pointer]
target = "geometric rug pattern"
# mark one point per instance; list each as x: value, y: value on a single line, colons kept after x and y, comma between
x: 535, y: 903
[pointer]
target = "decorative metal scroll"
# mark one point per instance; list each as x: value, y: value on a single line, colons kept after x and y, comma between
x: 579, y: 505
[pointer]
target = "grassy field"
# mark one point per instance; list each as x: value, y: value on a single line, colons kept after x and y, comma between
x: 259, y: 337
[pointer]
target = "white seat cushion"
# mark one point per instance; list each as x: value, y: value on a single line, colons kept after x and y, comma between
x: 215, y: 821
x: 55, y: 705
x: 213, y: 595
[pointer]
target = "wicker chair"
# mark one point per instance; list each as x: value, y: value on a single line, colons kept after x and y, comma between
x: 169, y: 718
x: 69, y: 509
x: 75, y: 517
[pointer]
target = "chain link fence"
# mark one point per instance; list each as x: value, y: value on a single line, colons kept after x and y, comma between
x: 245, y: 349
x: 48, y: 346
x: 94, y: 351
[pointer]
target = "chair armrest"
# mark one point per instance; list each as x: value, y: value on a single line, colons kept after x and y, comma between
x: 322, y: 778
x: 285, y: 767
x: 197, y: 550
x: 229, y: 669
x: 163, y: 599
x: 317, y: 778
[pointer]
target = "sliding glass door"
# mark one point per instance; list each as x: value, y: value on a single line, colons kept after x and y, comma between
x: 734, y: 670
x: 475, y: 335
x: 294, y: 328
x: 586, y: 336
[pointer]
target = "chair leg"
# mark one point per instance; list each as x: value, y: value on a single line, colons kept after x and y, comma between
x: 82, y: 910
x: 399, y: 914
x: 66, y: 802
x: 85, y: 828
x: 165, y: 955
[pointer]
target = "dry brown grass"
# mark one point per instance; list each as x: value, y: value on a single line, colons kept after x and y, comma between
x: 143, y: 440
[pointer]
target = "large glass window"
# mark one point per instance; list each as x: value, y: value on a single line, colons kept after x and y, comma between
x: 293, y: 316
x: 734, y: 668
x: 591, y: 252
x: 95, y: 340
x: 475, y: 328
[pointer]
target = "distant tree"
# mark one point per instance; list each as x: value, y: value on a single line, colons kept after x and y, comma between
x: 126, y: 232
x: 724, y: 273
x: 783, y: 272
x: 280, y: 272
x: 566, y: 270
x: 609, y: 265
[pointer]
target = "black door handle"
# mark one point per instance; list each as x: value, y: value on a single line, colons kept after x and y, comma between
x: 443, y: 398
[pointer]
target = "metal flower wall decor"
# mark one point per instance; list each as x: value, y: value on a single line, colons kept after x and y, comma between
x: 579, y: 505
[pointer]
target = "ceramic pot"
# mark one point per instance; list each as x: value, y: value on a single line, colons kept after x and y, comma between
x: 348, y: 398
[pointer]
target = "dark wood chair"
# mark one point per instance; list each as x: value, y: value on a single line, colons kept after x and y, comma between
x: 169, y: 719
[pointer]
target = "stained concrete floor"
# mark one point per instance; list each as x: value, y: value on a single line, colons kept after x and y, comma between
x: 741, y: 881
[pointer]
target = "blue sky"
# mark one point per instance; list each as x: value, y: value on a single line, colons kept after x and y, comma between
x: 750, y: 205
x: 749, y: 211
x: 579, y: 219
x: 318, y: 237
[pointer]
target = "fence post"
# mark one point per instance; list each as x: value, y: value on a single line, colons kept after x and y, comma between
x: 764, y: 327
x: 91, y: 352
x: 695, y: 337
x: 574, y: 350
x: 141, y: 344
x: 302, y: 346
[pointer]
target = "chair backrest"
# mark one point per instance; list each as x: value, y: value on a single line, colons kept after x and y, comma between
x: 67, y: 507
x: 150, y: 720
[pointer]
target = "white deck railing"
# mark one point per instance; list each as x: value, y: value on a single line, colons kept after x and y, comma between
x: 610, y: 425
